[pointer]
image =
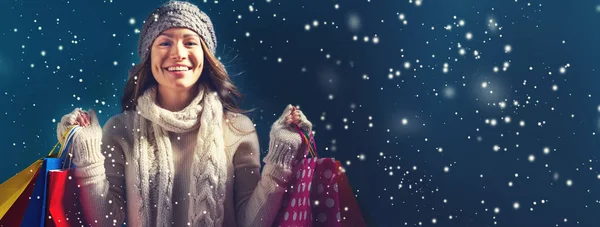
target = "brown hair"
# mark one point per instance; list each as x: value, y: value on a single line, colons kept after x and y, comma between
x: 213, y: 73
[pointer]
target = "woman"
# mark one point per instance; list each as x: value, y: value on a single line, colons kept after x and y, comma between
x: 181, y: 153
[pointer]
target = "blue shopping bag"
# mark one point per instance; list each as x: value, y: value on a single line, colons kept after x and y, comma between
x: 36, y: 208
x: 35, y: 214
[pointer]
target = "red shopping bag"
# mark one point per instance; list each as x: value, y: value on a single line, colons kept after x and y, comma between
x: 350, y: 212
x: 324, y: 193
x: 64, y: 208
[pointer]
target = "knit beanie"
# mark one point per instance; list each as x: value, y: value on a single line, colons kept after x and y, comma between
x: 176, y: 14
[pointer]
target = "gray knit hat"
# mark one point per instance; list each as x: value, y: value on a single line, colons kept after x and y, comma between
x: 176, y: 14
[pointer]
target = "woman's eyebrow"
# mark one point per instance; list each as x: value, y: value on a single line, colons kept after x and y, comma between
x: 184, y: 36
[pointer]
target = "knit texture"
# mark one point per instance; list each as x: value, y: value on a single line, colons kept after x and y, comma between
x: 207, y: 186
x: 176, y: 14
x: 113, y: 187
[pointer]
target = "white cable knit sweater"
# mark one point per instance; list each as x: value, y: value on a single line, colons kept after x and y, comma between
x: 107, y: 175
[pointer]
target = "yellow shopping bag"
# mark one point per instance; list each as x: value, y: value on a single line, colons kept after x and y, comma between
x: 11, y: 189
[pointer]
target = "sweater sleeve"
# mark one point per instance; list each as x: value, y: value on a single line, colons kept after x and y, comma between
x: 257, y: 197
x: 100, y: 173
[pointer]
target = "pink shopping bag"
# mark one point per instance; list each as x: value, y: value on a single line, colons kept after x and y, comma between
x: 295, y: 209
x: 325, y: 194
x: 312, y: 197
x: 295, y: 205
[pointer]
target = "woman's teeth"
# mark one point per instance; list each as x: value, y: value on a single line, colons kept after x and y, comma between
x: 178, y: 68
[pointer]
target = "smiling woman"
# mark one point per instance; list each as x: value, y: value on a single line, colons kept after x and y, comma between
x: 184, y: 48
x: 172, y: 154
x: 177, y: 62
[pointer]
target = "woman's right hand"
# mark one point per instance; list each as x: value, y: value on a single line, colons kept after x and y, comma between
x: 89, y: 122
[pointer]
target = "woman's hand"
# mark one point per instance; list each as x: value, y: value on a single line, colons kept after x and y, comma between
x: 286, y: 143
x: 83, y: 119
x: 291, y: 118
x: 73, y: 118
x: 87, y: 137
x: 294, y: 117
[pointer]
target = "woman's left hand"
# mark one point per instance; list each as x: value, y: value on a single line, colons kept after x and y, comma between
x: 285, y: 137
x: 297, y: 118
x: 293, y: 117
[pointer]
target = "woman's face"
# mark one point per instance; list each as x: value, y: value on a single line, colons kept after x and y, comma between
x: 177, y: 59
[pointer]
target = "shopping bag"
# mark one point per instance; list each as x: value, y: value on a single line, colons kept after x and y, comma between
x: 35, y: 214
x: 36, y: 208
x: 15, y: 213
x: 350, y: 211
x: 324, y: 194
x: 13, y: 188
x: 295, y: 205
x: 296, y: 209
x: 64, y: 208
x: 16, y: 193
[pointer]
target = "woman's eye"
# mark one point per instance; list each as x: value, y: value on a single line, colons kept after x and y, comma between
x: 192, y: 43
x: 164, y: 44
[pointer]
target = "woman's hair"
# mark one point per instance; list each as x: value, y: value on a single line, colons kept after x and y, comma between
x: 213, y: 74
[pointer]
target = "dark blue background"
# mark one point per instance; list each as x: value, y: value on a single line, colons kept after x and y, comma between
x: 396, y: 170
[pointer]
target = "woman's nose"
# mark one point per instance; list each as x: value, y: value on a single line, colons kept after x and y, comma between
x: 178, y: 51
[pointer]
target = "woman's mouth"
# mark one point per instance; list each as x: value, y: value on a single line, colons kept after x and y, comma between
x: 178, y: 68
x: 178, y: 71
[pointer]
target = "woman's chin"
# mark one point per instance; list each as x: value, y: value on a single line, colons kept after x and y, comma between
x: 177, y: 83
x: 181, y: 85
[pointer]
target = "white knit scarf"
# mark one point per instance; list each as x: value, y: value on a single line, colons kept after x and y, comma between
x: 152, y: 153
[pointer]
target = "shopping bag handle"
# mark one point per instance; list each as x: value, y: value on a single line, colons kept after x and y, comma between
x: 66, y: 143
x: 309, y: 139
x: 65, y: 134
x: 312, y: 149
